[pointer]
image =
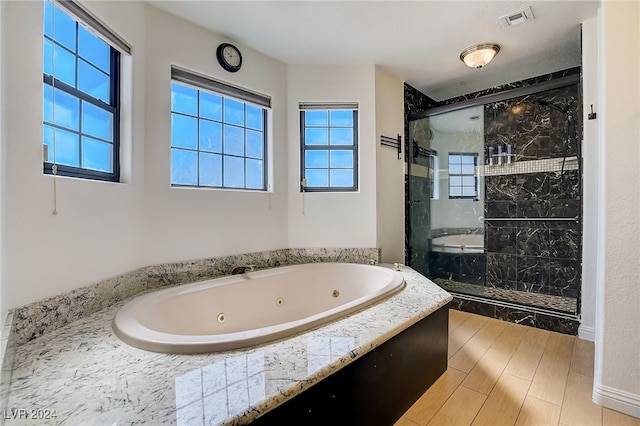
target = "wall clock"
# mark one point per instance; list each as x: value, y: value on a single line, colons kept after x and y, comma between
x: 229, y: 57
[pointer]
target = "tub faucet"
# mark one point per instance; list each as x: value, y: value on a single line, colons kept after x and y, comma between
x: 243, y: 269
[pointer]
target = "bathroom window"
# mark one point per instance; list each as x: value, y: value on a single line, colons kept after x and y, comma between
x: 81, y: 94
x: 218, y: 134
x: 329, y: 147
x: 463, y: 182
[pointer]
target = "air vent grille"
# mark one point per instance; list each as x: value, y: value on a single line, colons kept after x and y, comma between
x: 517, y: 18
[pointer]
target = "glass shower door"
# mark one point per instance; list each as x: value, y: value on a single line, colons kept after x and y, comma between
x: 446, y: 199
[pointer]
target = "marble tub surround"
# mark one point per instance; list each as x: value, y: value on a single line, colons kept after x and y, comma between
x: 85, y: 373
x: 36, y: 319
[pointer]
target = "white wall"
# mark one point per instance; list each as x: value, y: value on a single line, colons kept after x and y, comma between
x: 617, y: 356
x: 590, y: 179
x: 104, y: 229
x: 213, y: 222
x: 96, y: 232
x: 389, y: 169
x: 333, y: 219
x: 3, y: 288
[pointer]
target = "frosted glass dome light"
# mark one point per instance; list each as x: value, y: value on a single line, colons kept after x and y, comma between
x: 479, y: 55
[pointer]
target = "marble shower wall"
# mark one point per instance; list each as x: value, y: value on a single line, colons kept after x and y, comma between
x: 417, y: 224
x: 540, y: 255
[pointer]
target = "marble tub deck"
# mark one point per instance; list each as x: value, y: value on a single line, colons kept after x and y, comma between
x: 85, y: 375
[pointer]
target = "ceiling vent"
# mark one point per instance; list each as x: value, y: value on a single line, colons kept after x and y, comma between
x: 517, y: 18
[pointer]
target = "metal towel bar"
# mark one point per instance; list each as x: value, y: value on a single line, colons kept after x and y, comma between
x: 531, y: 219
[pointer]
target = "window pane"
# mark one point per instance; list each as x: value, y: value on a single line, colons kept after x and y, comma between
x: 184, y: 170
x: 93, y: 81
x: 341, y: 159
x: 233, y: 140
x: 316, y: 159
x: 48, y: 103
x: 317, y: 177
x: 341, y: 136
x: 233, y: 172
x: 210, y: 168
x: 454, y: 159
x: 47, y: 136
x: 184, y: 99
x: 255, y: 144
x: 341, y: 178
x: 96, y: 155
x: 66, y: 110
x: 94, y: 50
x: 254, y: 117
x: 316, y: 137
x: 455, y: 181
x: 233, y: 112
x: 468, y: 159
x: 469, y: 181
x: 210, y: 106
x: 255, y: 174
x: 97, y: 122
x: 64, y: 29
x: 64, y: 66
x: 210, y: 136
x: 455, y: 191
x: 341, y: 118
x: 67, y: 148
x: 455, y: 169
x: 48, y: 18
x: 316, y: 118
x: 469, y: 191
x: 183, y: 131
x: 47, y: 66
x: 467, y: 169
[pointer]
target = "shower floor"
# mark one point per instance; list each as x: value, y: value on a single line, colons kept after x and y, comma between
x: 546, y: 301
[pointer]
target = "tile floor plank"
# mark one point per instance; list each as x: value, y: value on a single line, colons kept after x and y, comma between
x: 582, y: 359
x: 469, y: 355
x: 487, y: 371
x: 459, y: 337
x: 525, y: 360
x: 460, y: 409
x: 578, y: 409
x: 536, y: 412
x: 423, y: 410
x: 504, y: 402
x: 615, y: 418
x: 550, y: 379
x: 456, y: 318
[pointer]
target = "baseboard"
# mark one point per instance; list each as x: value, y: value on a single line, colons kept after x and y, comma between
x: 587, y: 333
x: 615, y: 399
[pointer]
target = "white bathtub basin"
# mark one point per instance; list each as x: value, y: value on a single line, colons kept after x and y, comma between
x: 252, y: 308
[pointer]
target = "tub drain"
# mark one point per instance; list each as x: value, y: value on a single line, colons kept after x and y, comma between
x: 335, y: 293
x: 279, y: 301
x: 221, y: 318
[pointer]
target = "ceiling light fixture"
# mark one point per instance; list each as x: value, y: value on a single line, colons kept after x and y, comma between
x: 479, y: 55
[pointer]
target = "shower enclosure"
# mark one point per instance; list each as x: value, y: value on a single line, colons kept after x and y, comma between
x: 493, y: 200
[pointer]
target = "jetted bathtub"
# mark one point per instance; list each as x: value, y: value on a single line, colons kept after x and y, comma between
x: 251, y: 308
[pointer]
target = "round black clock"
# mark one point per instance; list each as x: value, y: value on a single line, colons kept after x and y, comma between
x: 229, y: 57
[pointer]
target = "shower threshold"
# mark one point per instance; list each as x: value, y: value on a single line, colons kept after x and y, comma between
x: 543, y: 302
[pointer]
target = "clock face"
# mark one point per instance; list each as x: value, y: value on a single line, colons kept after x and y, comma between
x: 229, y: 57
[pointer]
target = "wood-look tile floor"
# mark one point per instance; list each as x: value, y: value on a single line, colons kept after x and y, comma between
x: 502, y: 373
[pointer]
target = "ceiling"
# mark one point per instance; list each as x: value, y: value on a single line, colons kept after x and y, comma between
x: 417, y: 41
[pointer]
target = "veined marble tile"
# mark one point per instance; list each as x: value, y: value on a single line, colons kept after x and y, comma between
x: 88, y: 376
